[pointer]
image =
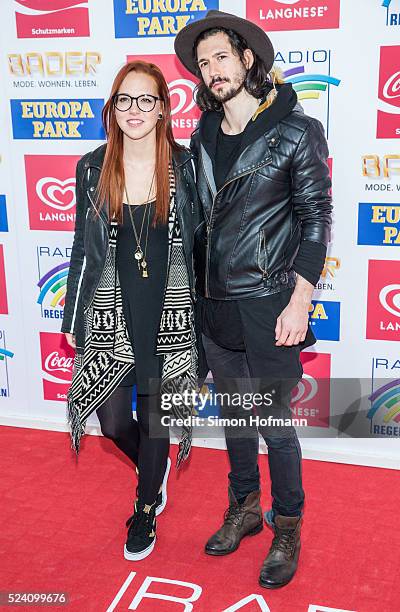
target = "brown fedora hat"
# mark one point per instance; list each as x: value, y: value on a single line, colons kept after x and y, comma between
x: 256, y: 38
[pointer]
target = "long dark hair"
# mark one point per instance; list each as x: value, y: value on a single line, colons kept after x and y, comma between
x: 257, y: 82
x: 112, y: 179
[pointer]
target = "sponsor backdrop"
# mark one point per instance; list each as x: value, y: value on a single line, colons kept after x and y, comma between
x: 58, y: 59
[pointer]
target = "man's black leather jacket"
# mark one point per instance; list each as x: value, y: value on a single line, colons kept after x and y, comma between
x: 276, y: 194
x: 90, y: 244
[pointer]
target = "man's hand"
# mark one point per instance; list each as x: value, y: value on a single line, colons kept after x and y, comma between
x: 71, y: 340
x: 292, y: 324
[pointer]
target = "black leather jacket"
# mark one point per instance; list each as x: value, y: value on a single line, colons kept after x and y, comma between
x: 91, y: 235
x: 276, y: 194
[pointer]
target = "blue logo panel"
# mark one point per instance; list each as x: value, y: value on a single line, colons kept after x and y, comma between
x: 325, y: 320
x: 379, y: 224
x: 3, y: 214
x: 78, y: 119
x: 155, y: 18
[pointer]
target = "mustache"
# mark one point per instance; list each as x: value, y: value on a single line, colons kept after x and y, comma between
x: 218, y: 80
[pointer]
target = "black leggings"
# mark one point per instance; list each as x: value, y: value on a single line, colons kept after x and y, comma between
x: 144, y: 441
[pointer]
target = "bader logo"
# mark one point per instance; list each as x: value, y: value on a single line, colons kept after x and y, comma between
x: 57, y: 364
x: 383, y: 307
x: 388, y: 124
x: 384, y: 413
x: 57, y: 119
x: 379, y: 224
x: 294, y: 14
x: 3, y: 214
x: 54, y: 19
x: 5, y: 355
x: 51, y: 197
x: 311, y: 397
x: 145, y: 18
x: 52, y: 280
x: 324, y: 318
x: 311, y: 79
x: 3, y: 285
x: 185, y: 113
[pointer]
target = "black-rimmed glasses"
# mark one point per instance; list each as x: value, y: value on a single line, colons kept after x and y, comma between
x: 145, y: 102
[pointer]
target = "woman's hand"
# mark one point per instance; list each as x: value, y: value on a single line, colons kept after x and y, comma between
x: 71, y: 340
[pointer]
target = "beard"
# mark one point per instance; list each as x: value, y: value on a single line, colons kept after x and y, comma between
x: 237, y: 84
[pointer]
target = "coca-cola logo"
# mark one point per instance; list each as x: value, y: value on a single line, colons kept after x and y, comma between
x: 55, y: 362
x: 56, y: 193
x: 181, y: 92
x: 389, y: 297
x: 306, y: 389
x: 391, y: 88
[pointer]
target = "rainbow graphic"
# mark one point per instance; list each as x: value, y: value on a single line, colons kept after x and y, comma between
x: 4, y: 353
x: 388, y: 398
x: 54, y: 282
x: 309, y: 86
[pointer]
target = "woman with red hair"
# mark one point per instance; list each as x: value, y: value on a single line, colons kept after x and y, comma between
x: 129, y: 307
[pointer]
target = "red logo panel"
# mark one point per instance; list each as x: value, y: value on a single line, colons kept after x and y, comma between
x: 311, y: 397
x: 294, y: 14
x: 52, y: 18
x: 181, y: 83
x: 50, y: 183
x: 3, y: 286
x: 389, y: 93
x: 57, y: 365
x: 383, y: 308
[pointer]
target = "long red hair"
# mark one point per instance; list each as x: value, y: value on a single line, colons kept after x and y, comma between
x: 112, y: 178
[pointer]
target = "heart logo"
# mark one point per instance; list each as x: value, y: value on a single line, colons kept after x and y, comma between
x: 55, y: 193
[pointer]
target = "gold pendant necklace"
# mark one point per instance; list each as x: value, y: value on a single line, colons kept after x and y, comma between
x: 139, y: 255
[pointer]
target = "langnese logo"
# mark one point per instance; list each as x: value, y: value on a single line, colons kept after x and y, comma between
x: 309, y: 71
x: 50, y: 185
x: 57, y: 119
x: 3, y: 214
x: 56, y: 19
x: 155, y: 18
x: 65, y: 69
x: 53, y: 268
x: 379, y: 224
x: 185, y: 113
x: 3, y: 284
x: 57, y: 365
x: 324, y: 317
x: 383, y: 308
x: 311, y: 397
x: 5, y: 355
x: 384, y: 412
x: 388, y: 123
x: 294, y: 14
x: 392, y: 8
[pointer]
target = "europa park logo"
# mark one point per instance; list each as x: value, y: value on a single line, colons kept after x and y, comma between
x: 185, y: 113
x: 59, y: 18
x: 57, y: 365
x: 388, y: 125
x: 294, y: 14
x: 145, y: 18
x: 383, y: 309
x: 50, y: 186
x: 57, y: 119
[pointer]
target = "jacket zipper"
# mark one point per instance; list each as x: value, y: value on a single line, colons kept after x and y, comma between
x: 209, y: 225
x: 108, y: 248
x: 261, y: 244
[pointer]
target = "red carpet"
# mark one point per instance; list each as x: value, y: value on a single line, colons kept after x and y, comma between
x: 63, y: 529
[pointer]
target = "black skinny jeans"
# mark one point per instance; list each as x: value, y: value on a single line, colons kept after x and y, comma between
x: 144, y: 441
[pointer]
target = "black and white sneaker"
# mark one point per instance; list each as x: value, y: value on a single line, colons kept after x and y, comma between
x: 161, y: 500
x: 141, y: 537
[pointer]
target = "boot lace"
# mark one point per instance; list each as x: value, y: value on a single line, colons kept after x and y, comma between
x: 284, y: 541
x: 140, y: 521
x: 232, y: 514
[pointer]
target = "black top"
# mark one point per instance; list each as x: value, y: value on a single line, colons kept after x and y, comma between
x: 142, y: 298
x: 225, y: 153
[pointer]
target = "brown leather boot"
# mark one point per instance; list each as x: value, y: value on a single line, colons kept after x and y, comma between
x: 281, y: 562
x: 239, y: 521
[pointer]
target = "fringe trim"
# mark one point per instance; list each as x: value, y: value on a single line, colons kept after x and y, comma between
x: 77, y: 430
